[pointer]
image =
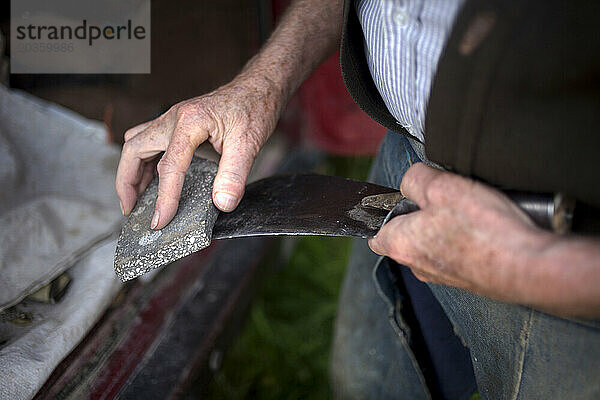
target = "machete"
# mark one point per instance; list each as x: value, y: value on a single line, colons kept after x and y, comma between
x: 299, y: 204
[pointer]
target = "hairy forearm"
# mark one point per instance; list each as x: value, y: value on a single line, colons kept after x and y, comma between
x: 563, y: 277
x: 308, y: 34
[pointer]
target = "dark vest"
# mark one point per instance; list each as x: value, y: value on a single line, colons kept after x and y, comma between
x: 516, y: 98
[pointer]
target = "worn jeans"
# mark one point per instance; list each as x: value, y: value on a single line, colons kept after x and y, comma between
x: 516, y: 352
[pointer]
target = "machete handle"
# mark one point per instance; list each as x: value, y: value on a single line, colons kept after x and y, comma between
x: 551, y: 212
x: 548, y: 211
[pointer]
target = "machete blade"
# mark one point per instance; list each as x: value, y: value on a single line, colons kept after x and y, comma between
x: 281, y: 205
x: 306, y: 204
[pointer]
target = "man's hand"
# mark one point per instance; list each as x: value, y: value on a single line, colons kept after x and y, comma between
x: 463, y: 231
x: 471, y: 236
x: 236, y: 119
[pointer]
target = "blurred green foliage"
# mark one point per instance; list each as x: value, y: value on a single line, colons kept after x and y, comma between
x: 283, y: 351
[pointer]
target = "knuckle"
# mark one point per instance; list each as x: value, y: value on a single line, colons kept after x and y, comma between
x: 409, y: 181
x: 254, y: 142
x: 167, y: 165
x: 171, y: 110
x: 243, y: 117
x: 128, y: 134
x: 248, y: 143
x: 185, y: 111
x: 208, y: 118
x: 188, y: 131
x: 129, y: 152
x: 128, y: 148
x: 432, y: 191
x: 182, y: 142
x: 440, y: 187
x: 231, y: 178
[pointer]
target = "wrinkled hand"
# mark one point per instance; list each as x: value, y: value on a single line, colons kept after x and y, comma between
x: 236, y: 119
x: 466, y: 234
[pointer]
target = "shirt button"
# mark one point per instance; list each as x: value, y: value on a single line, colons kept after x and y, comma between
x: 400, y: 18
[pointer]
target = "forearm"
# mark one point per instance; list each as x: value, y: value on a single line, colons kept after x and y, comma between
x: 307, y: 35
x: 563, y: 276
x: 236, y: 119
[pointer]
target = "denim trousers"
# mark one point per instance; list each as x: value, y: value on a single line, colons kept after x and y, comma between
x: 516, y: 352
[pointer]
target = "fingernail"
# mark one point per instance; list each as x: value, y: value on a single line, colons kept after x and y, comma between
x: 225, y: 201
x: 122, y: 210
x: 154, y: 222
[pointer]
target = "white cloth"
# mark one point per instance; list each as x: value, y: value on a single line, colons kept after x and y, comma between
x: 58, y: 211
x: 57, y: 196
x: 33, y: 351
x: 403, y: 43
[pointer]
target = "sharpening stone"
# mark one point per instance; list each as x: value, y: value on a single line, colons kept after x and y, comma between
x: 141, y: 249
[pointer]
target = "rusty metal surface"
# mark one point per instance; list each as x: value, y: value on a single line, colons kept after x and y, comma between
x: 306, y: 204
x: 385, y: 201
x: 141, y: 249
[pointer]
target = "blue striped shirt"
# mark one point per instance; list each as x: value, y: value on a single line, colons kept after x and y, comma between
x: 403, y: 43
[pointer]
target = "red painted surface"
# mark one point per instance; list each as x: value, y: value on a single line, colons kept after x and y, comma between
x: 147, y: 326
x: 138, y: 338
x: 329, y: 117
x: 333, y: 121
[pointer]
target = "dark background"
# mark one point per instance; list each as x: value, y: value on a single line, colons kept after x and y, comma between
x: 196, y: 47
